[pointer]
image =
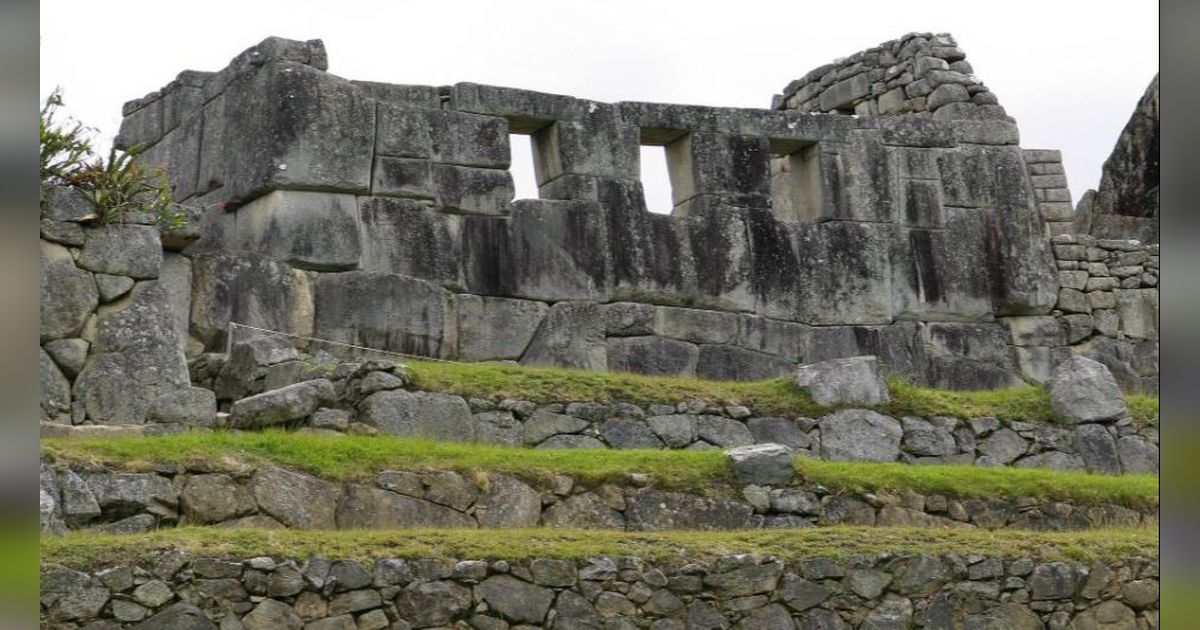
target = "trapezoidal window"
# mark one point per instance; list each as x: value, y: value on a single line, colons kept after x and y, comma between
x: 797, y: 189
x: 521, y: 166
x: 656, y: 183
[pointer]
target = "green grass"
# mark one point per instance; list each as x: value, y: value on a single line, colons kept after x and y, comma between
x: 778, y: 396
x: 88, y: 549
x: 352, y: 457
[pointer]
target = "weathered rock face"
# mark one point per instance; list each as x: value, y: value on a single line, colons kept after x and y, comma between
x: 849, y: 381
x: 744, y: 591
x: 1083, y: 390
x: 1126, y: 206
x: 68, y: 294
x: 397, y: 205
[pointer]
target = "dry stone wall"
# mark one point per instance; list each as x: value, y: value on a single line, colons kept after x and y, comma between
x: 1050, y: 189
x: 382, y: 215
x: 80, y: 496
x: 179, y: 590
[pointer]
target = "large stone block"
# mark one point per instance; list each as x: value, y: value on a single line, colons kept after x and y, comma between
x: 136, y: 358
x: 492, y: 328
x: 249, y: 289
x: 404, y: 129
x: 288, y: 125
x: 411, y: 238
x: 68, y: 294
x: 737, y: 167
x: 845, y: 272
x: 280, y: 406
x: 364, y: 507
x: 849, y: 381
x: 386, y: 312
x: 470, y: 190
x: 55, y: 391
x: 731, y: 363
x: 941, y: 274
x: 1083, y: 390
x: 468, y: 139
x: 601, y: 145
x: 968, y: 356
x: 526, y: 110
x: 309, y: 230
x: 1138, y: 309
x: 571, y: 335
x: 402, y: 177
x: 419, y: 414
x: 122, y: 249
x: 860, y: 434
x: 548, y: 250
x: 652, y: 355
x: 296, y: 500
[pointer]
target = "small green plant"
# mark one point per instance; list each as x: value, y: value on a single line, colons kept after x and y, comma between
x: 117, y: 186
x: 63, y: 147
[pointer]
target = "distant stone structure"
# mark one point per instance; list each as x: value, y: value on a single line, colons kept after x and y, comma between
x: 915, y: 230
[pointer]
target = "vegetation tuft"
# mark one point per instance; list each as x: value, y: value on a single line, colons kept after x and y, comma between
x: 116, y: 187
x: 352, y: 457
x: 86, y: 549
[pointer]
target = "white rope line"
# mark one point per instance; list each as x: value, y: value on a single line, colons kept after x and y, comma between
x: 232, y: 325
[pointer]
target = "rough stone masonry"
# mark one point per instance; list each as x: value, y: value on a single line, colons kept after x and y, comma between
x: 383, y: 215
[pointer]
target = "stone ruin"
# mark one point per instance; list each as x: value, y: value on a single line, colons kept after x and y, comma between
x: 882, y: 206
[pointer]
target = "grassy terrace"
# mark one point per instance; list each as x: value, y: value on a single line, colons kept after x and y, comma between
x: 771, y: 397
x: 87, y: 549
x: 352, y: 457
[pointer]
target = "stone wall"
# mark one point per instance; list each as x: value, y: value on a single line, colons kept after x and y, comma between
x: 375, y: 397
x: 382, y: 215
x: 121, y: 501
x: 1051, y: 191
x: 178, y: 590
x: 921, y: 74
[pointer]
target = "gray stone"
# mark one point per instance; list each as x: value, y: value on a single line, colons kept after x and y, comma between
x: 1107, y: 615
x: 800, y: 594
x: 214, y: 498
x: 335, y: 419
x: 68, y: 354
x: 747, y: 579
x: 1005, y: 617
x: 572, y: 611
x: 364, y: 507
x: 1098, y: 449
x: 1003, y: 446
x: 187, y: 405
x: 1138, y: 455
x: 516, y: 601
x: 677, y: 431
x: 779, y: 431
x: 55, y: 390
x: 923, y: 438
x: 723, y: 432
x: 385, y: 311
x: 308, y: 230
x: 112, y: 287
x: 762, y: 464
x: 296, y: 500
x: 1054, y: 460
x: 1083, y: 390
x: 571, y: 335
x: 153, y: 594
x: 491, y: 328
x: 508, y: 502
x: 586, y: 511
x: 79, y: 505
x: 379, y: 382
x: 135, y: 359
x: 122, y: 249
x: 68, y: 294
x: 849, y: 381
x: 652, y: 355
x: 860, y: 434
x: 179, y: 616
x: 437, y: 603
x: 657, y: 511
x: 281, y: 406
x: 544, y: 424
x: 347, y: 575
x: 498, y: 427
x: 1053, y: 580
x: 629, y: 433
x: 419, y: 414
x: 795, y: 501
x: 250, y: 289
x: 272, y: 614
x: 126, y: 494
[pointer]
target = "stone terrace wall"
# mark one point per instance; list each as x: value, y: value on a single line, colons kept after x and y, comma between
x: 1051, y: 191
x: 920, y: 73
x: 119, y: 501
x: 382, y: 215
x: 178, y: 590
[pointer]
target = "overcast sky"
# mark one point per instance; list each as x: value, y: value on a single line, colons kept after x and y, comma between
x: 1069, y: 71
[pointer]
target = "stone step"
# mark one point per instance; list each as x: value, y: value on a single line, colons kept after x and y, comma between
x: 1026, y: 583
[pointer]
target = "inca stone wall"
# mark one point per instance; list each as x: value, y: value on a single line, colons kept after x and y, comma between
x: 179, y: 590
x: 1051, y: 191
x: 383, y: 216
x: 920, y: 74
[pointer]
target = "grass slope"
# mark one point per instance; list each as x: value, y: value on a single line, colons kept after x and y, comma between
x: 88, y: 549
x: 353, y: 457
x: 771, y: 397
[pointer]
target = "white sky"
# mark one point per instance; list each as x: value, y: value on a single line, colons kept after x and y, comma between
x: 1070, y: 71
